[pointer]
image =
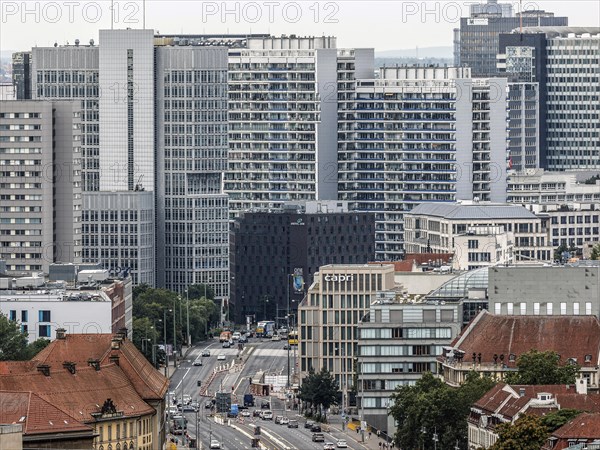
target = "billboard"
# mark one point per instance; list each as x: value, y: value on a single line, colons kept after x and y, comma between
x: 298, y: 280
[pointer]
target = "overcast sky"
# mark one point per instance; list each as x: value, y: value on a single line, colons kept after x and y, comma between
x: 384, y: 25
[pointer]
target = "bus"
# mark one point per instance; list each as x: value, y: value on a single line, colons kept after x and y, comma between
x: 265, y: 328
x: 293, y: 338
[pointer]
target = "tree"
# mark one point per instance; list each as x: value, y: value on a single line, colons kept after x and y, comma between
x: 542, y: 368
x: 200, y: 290
x: 13, y: 343
x: 556, y: 419
x: 320, y: 390
x: 527, y: 433
x: 35, y: 347
x: 595, y: 252
x: 432, y: 406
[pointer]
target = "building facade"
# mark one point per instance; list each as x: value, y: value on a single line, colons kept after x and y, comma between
x: 298, y: 239
x: 329, y: 315
x: 482, y: 246
x: 40, y: 187
x: 478, y: 36
x: 433, y: 227
x: 419, y: 135
x: 398, y: 342
x: 192, y: 146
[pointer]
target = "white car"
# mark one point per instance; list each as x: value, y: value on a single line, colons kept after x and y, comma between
x: 236, y: 336
x: 284, y: 421
x: 221, y: 358
x: 276, y: 337
x: 215, y: 444
x: 245, y: 413
x: 342, y: 444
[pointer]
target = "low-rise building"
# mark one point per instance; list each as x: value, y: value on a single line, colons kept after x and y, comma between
x: 434, y: 227
x: 581, y: 433
x: 506, y: 403
x: 11, y: 436
x: 492, y: 343
x: 399, y: 340
x: 482, y: 246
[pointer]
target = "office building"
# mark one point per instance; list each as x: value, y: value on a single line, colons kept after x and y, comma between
x: 191, y: 152
x: 40, y: 189
x: 420, y: 134
x: 481, y: 246
x: 432, y: 227
x: 399, y: 340
x: 567, y: 200
x: 21, y: 75
x: 330, y: 313
x: 272, y: 246
x: 477, y: 39
x: 7, y: 92
x: 283, y: 118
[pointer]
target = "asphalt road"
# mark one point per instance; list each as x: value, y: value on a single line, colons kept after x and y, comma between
x: 237, y: 433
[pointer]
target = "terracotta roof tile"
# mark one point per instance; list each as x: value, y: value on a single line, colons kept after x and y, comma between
x: 422, y: 258
x: 584, y: 426
x: 82, y: 393
x: 569, y: 336
x: 8, y: 367
x: 75, y: 347
x: 36, y: 414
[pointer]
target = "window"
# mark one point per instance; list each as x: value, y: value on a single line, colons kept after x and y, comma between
x: 12, y: 315
x: 576, y: 308
x: 549, y: 309
x: 588, y: 308
x: 523, y: 308
x: 498, y: 308
x: 510, y: 307
x: 536, y: 309
x: 24, y: 316
x: 473, y: 243
x: 44, y: 331
x: 44, y: 316
x: 563, y: 308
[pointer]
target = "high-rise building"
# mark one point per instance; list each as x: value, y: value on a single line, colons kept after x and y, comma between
x: 477, y: 39
x: 21, y: 75
x: 419, y: 135
x: 276, y: 245
x: 283, y: 94
x: 117, y: 141
x: 40, y: 187
x: 191, y: 156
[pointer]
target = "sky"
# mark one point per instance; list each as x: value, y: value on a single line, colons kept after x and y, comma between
x: 384, y: 25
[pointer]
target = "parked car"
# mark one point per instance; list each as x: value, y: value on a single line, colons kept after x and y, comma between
x: 205, y: 352
x: 292, y: 424
x: 315, y: 428
x: 318, y: 437
x: 221, y: 357
x: 309, y: 424
x: 342, y: 444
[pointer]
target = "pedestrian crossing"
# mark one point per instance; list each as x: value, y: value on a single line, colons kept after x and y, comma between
x: 271, y: 352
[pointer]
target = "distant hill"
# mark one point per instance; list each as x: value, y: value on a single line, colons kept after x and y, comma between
x: 423, y: 52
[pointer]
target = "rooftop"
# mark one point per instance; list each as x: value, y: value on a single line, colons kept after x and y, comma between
x: 584, y: 426
x: 459, y: 286
x: 472, y: 211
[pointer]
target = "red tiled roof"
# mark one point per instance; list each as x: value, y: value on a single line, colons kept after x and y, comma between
x: 82, y: 393
x: 569, y: 336
x: 36, y: 414
x: 584, y: 426
x: 423, y: 258
x: 8, y: 367
x: 79, y: 348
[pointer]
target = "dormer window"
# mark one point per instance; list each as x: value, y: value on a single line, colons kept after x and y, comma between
x: 544, y: 396
x: 588, y: 358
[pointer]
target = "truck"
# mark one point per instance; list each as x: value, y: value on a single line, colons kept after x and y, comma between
x: 225, y: 336
x: 265, y: 328
x: 233, y: 411
x: 248, y: 400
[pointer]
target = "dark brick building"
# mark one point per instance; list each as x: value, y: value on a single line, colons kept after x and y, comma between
x: 268, y: 247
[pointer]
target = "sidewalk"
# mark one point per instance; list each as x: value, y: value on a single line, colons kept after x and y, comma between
x: 371, y: 443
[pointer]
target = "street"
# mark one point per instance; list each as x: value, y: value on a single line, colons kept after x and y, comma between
x: 237, y: 433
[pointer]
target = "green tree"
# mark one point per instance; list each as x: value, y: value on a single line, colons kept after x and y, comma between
x: 200, y: 290
x: 556, y: 419
x: 144, y: 336
x: 432, y: 406
x: 527, y: 433
x: 320, y: 390
x: 13, y: 343
x: 542, y: 368
x: 35, y: 347
x: 595, y: 252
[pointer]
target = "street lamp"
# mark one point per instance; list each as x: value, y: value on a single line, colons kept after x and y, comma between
x: 187, y: 297
x: 165, y: 341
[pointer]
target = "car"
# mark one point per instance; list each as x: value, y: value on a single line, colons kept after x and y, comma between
x: 267, y: 415
x: 309, y: 424
x: 284, y: 421
x: 256, y: 413
x: 189, y: 408
x: 208, y: 404
x: 221, y: 357
x: 329, y: 446
x: 226, y: 344
x: 245, y: 413
x: 198, y: 362
x: 172, y: 411
x: 215, y: 444
x: 283, y: 330
x: 292, y: 424
x: 315, y: 428
x: 318, y: 437
x: 243, y: 340
x: 278, y: 419
x: 341, y: 444
x: 187, y: 399
x: 236, y: 335
x: 265, y: 405
x: 205, y: 352
x: 287, y: 347
x: 276, y: 337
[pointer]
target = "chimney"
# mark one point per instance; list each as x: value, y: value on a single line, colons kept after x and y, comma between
x: 70, y: 366
x: 581, y: 386
x: 115, y: 344
x: 60, y: 333
x: 521, y: 392
x: 95, y: 363
x: 45, y: 369
x: 114, y: 359
x: 122, y: 332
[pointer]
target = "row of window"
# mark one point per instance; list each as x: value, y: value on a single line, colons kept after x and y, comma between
x: 405, y: 333
x: 546, y: 309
